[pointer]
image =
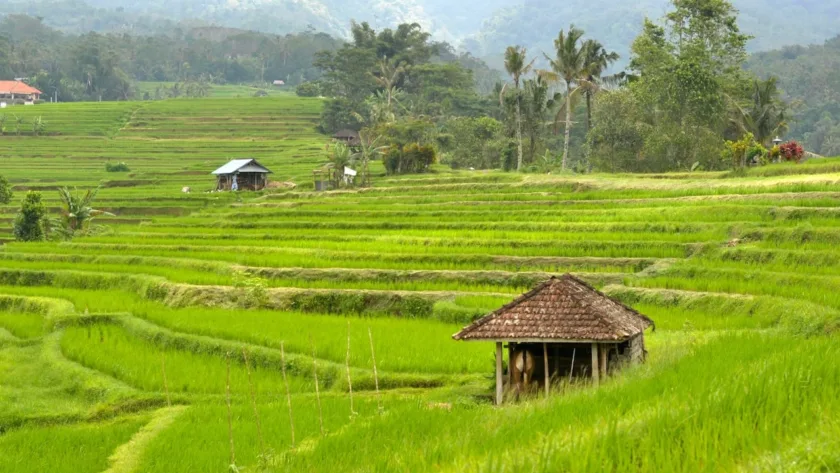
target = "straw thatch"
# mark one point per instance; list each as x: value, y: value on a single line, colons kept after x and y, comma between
x: 560, y: 309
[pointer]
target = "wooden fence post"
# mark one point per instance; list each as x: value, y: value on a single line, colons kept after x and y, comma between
x: 499, y: 383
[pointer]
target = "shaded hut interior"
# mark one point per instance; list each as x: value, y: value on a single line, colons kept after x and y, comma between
x: 563, y: 329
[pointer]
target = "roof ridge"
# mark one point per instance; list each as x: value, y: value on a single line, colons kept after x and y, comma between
x: 568, y: 309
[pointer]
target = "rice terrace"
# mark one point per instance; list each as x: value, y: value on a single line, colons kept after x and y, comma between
x: 181, y: 336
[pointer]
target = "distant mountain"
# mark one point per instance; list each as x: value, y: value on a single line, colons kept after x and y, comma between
x: 483, y: 27
x: 535, y: 23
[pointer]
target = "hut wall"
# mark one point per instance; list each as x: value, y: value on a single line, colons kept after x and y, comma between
x: 636, y: 348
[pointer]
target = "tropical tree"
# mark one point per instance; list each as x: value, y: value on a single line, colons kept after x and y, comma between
x: 537, y: 101
x: 568, y: 66
x: 388, y: 77
x: 76, y: 210
x: 30, y: 220
x: 38, y: 125
x: 369, y: 150
x: 3, y: 119
x: 596, y: 61
x: 517, y: 66
x: 340, y: 156
x: 18, y: 124
x: 764, y: 116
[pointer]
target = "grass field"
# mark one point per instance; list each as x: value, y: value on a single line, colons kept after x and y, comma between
x: 120, y: 351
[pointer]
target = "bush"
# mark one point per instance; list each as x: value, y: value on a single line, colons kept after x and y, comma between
x: 308, y: 89
x: 29, y: 222
x: 117, y: 167
x: 412, y: 158
x: 792, y: 151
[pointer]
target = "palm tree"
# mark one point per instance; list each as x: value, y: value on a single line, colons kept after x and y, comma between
x: 568, y: 66
x: 388, y: 78
x: 369, y: 150
x: 77, y: 209
x: 537, y: 102
x: 515, y: 65
x: 340, y: 157
x: 764, y: 117
x: 597, y: 60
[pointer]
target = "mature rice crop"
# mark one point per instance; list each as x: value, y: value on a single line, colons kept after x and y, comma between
x: 99, y: 335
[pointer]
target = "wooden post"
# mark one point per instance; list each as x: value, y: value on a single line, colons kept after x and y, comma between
x: 547, y: 374
x: 603, y: 358
x: 595, y: 363
x: 499, y: 384
x: 511, y: 348
x: 572, y: 369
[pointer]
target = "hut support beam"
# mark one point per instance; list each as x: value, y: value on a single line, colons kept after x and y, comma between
x: 499, y: 384
x: 545, y: 366
x: 595, y: 363
x: 604, y: 353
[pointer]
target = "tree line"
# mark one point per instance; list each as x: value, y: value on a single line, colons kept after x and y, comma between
x: 685, y: 102
x: 96, y: 66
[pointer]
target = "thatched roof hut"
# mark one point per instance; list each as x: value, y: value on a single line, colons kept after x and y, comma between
x: 568, y: 326
x: 349, y: 137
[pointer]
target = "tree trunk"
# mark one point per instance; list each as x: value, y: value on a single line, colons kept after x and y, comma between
x: 518, y: 133
x: 568, y: 125
x: 588, y: 112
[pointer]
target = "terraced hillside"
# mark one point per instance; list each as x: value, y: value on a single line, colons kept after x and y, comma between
x: 127, y: 345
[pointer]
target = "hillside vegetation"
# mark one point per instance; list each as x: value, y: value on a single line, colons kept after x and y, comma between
x: 158, y: 342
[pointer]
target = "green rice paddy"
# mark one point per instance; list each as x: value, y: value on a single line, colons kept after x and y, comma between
x: 119, y: 351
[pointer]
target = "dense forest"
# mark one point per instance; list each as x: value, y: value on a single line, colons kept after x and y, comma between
x: 93, y: 66
x: 486, y: 27
x: 686, y: 101
x: 809, y: 76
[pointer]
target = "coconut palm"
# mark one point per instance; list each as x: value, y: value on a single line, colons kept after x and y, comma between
x: 77, y: 210
x: 597, y: 60
x: 568, y: 66
x: 517, y: 66
x: 764, y: 117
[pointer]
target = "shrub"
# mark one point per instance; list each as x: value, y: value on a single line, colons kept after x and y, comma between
x: 412, y: 158
x: 308, y: 89
x: 792, y: 151
x: 117, y: 167
x: 29, y: 222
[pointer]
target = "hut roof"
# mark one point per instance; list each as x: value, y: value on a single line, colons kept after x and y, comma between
x: 346, y: 135
x: 563, y: 309
x: 242, y: 165
x: 17, y: 87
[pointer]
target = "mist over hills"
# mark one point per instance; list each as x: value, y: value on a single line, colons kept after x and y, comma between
x: 483, y: 28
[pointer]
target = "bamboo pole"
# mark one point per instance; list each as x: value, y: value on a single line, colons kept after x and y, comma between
x: 288, y: 394
x: 347, y: 366
x: 253, y: 394
x: 545, y: 367
x: 317, y: 390
x: 230, y: 416
x: 165, y: 383
x: 499, y: 384
x: 375, y: 375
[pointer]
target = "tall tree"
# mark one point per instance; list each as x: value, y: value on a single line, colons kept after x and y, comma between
x: 764, y: 115
x: 517, y: 65
x: 568, y: 66
x: 597, y: 61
